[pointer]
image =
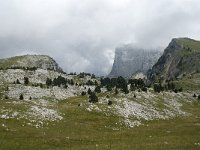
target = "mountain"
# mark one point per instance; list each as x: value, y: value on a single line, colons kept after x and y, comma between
x: 181, y: 57
x: 37, y: 69
x: 130, y: 60
x: 30, y: 62
x: 36, y: 114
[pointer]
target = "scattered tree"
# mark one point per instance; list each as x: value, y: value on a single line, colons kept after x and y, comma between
x: 6, y: 97
x: 17, y: 82
x: 83, y: 93
x: 109, y: 102
x: 21, y: 97
x: 26, y: 80
x: 144, y: 89
x: 98, y: 89
x: 89, y: 91
x: 116, y: 91
x: 49, y: 82
x: 93, y: 98
x: 41, y: 85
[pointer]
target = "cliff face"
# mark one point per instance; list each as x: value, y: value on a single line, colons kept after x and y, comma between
x: 30, y: 61
x: 129, y: 61
x: 182, y: 56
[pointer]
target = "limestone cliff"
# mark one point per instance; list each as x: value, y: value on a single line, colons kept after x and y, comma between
x: 130, y: 60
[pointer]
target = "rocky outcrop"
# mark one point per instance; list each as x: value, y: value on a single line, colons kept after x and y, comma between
x: 37, y: 68
x: 30, y: 62
x: 130, y: 60
x: 182, y: 56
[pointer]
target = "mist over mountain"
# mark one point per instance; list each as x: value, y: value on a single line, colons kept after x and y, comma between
x: 82, y: 35
x: 130, y: 60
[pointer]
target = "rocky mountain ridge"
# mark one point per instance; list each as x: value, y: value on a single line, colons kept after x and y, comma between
x: 30, y: 62
x: 181, y: 57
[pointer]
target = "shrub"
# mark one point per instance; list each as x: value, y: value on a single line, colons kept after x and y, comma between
x: 199, y: 97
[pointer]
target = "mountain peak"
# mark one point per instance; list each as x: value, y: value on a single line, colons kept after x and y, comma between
x: 182, y: 56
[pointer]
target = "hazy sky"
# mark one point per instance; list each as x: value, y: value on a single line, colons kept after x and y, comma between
x: 82, y: 34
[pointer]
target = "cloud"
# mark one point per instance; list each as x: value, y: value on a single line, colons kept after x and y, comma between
x: 82, y: 34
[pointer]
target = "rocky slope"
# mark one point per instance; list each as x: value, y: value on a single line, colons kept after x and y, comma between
x: 181, y: 57
x: 41, y: 102
x: 37, y: 68
x: 30, y: 62
x: 130, y: 60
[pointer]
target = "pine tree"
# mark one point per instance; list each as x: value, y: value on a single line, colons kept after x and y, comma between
x: 116, y: 91
x: 21, y: 97
x: 83, y: 93
x: 49, y: 82
x: 98, y: 89
x: 17, y: 82
x: 89, y: 91
x: 26, y: 80
x: 93, y: 98
x: 109, y: 102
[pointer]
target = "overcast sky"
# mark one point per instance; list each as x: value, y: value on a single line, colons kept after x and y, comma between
x: 81, y: 35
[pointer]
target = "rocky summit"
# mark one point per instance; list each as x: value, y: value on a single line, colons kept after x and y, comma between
x: 130, y: 60
x: 30, y: 62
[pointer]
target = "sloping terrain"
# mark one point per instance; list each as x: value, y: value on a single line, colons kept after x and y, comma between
x: 75, y: 123
x: 181, y: 57
x: 30, y: 62
x: 36, y: 114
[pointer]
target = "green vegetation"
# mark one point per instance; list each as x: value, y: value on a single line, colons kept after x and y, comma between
x: 189, y: 82
x: 81, y: 129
